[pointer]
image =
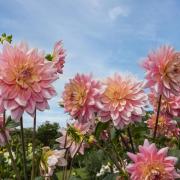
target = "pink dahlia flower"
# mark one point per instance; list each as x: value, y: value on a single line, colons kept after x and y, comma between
x: 152, y: 164
x: 169, y: 106
x: 166, y: 126
x: 3, y: 132
x: 50, y: 159
x: 58, y: 57
x: 163, y: 71
x: 80, y: 97
x: 73, y: 138
x: 123, y: 100
x: 25, y: 80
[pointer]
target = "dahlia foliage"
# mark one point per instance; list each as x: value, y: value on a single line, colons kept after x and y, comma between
x: 113, y: 116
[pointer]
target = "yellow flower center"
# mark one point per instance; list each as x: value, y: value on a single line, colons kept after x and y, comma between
x: 78, y: 95
x: 25, y: 75
x: 154, y: 171
x: 116, y: 92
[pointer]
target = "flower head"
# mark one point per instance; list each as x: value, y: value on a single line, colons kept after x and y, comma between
x: 58, y: 57
x: 169, y: 105
x: 152, y: 164
x: 73, y: 138
x: 25, y: 80
x: 163, y: 71
x: 80, y: 97
x: 166, y: 126
x: 123, y: 100
x: 50, y: 159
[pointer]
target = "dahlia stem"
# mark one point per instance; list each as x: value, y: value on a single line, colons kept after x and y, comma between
x: 74, y: 158
x: 11, y: 156
x: 124, y: 142
x: 131, y: 140
x: 65, y: 168
x: 23, y: 150
x: 157, y: 117
x: 115, y: 150
x: 33, y: 147
x: 113, y: 159
x: 9, y: 148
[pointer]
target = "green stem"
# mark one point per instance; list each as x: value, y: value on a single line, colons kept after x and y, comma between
x: 124, y: 142
x: 11, y: 155
x: 33, y: 148
x: 74, y: 158
x: 9, y: 147
x: 131, y: 140
x: 66, y: 156
x: 157, y: 117
x: 23, y: 150
x: 113, y: 159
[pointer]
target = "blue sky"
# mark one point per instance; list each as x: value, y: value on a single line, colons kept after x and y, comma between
x: 100, y: 36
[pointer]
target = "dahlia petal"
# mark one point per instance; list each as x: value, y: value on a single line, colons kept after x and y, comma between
x: 132, y: 156
x: 16, y: 114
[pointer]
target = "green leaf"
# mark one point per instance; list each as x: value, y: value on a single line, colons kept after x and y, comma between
x: 113, y: 133
x: 49, y: 57
x: 39, y: 178
x: 11, y: 123
x: 3, y: 35
x: 175, y: 153
x: 9, y: 38
x: 54, y: 177
x: 110, y: 177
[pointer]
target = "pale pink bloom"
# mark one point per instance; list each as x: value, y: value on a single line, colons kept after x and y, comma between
x: 152, y: 164
x: 3, y: 130
x: 51, y: 159
x: 25, y: 80
x: 73, y: 138
x: 80, y: 97
x: 170, y: 106
x: 166, y: 126
x: 56, y: 159
x: 58, y: 56
x: 123, y: 100
x: 163, y: 71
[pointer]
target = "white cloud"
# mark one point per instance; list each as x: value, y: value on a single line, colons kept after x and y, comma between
x: 117, y: 11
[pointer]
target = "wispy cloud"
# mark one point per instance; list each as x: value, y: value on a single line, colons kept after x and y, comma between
x: 118, y: 11
x: 100, y: 36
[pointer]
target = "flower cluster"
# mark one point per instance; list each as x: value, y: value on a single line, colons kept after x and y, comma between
x: 120, y: 99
